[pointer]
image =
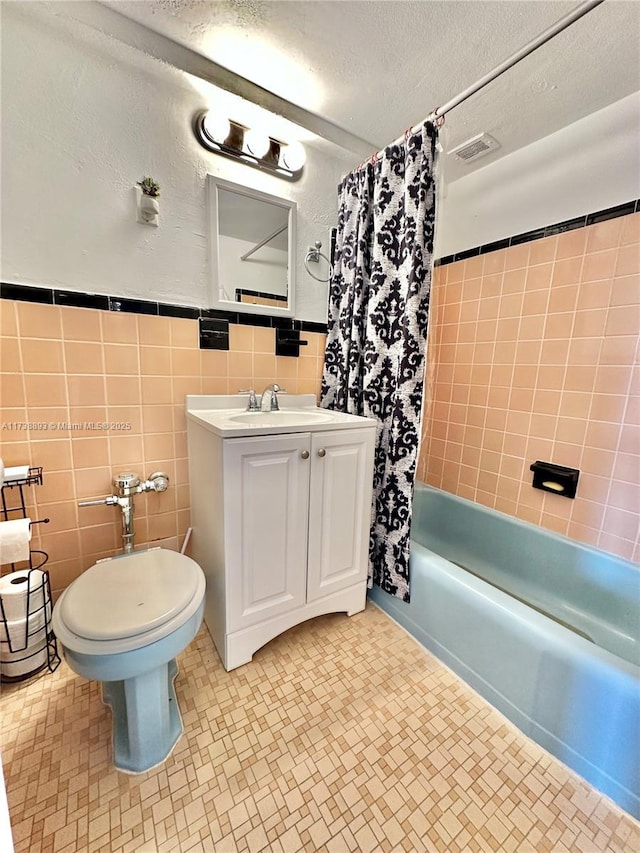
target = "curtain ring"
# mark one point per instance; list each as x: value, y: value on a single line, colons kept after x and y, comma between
x: 313, y: 256
x: 438, y: 120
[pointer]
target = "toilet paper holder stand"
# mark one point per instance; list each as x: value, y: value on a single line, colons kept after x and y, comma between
x: 32, y: 478
x: 41, y: 637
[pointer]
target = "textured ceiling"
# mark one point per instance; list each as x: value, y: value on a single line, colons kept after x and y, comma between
x: 374, y: 68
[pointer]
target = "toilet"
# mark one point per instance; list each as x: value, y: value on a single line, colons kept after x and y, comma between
x: 122, y: 622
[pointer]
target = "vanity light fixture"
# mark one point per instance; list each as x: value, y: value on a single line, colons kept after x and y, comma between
x: 252, y: 147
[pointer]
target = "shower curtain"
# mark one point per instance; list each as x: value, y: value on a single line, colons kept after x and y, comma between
x: 377, y: 327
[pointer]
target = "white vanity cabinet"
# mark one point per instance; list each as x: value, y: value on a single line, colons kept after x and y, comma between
x: 280, y: 528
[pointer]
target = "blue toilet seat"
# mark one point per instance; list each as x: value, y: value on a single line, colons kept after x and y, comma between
x: 129, y: 601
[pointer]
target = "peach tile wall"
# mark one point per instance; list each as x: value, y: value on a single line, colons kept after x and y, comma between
x: 534, y: 352
x: 67, y: 368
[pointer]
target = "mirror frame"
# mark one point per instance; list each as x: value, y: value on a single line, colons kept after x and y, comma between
x: 214, y: 184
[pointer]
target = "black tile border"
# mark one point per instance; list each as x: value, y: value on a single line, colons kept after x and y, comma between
x: 495, y: 246
x: 133, y: 306
x: 612, y: 212
x: 24, y: 293
x: 261, y: 294
x: 183, y: 311
x: 625, y: 209
x: 81, y: 299
x: 308, y: 326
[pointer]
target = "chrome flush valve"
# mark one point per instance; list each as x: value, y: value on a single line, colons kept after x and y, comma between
x: 126, y: 485
x: 130, y: 484
x: 157, y: 482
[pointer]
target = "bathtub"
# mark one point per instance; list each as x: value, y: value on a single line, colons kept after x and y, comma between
x: 547, y: 630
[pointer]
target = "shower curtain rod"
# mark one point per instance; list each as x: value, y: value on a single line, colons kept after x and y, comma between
x: 534, y: 44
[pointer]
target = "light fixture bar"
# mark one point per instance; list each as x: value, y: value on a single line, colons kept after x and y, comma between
x: 237, y: 146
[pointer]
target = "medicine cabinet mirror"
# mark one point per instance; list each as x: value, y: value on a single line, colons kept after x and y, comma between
x: 252, y: 241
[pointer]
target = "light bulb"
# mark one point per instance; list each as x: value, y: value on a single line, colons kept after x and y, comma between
x: 292, y: 156
x: 256, y: 142
x: 216, y: 127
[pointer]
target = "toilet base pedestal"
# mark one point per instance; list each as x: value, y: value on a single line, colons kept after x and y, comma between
x: 146, y: 718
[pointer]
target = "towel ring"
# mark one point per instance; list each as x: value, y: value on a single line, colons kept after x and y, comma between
x: 313, y: 256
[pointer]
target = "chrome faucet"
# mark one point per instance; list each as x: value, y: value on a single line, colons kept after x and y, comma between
x: 127, y: 485
x: 269, y: 399
x: 252, y: 405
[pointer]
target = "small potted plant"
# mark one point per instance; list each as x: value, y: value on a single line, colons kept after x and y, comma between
x: 149, y: 207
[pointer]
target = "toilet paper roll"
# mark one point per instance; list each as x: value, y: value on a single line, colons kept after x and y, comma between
x: 15, y: 474
x: 23, y: 633
x: 14, y: 540
x: 19, y: 665
x: 16, y: 587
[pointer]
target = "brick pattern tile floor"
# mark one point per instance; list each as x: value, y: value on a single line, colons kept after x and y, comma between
x: 342, y: 736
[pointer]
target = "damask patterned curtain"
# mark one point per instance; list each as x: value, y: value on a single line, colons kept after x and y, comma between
x: 378, y: 313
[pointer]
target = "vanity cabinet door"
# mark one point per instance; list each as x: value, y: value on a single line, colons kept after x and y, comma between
x: 339, y: 510
x: 266, y: 487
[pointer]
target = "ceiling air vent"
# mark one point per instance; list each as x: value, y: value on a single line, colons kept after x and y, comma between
x: 475, y: 147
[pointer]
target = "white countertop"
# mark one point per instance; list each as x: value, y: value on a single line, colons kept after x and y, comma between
x: 226, y: 415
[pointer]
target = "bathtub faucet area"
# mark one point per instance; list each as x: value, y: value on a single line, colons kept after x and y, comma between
x: 127, y: 485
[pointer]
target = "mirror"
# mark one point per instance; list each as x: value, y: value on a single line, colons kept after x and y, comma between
x: 252, y: 243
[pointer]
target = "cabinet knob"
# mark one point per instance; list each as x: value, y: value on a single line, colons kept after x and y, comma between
x: 322, y: 452
x: 305, y: 454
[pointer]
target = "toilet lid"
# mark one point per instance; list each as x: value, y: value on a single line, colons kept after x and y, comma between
x: 129, y: 595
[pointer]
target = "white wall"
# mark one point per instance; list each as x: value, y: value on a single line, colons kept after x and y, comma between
x: 83, y: 118
x: 265, y: 271
x: 590, y: 165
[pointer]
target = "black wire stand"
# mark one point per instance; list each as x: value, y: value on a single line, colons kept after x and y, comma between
x: 27, y: 644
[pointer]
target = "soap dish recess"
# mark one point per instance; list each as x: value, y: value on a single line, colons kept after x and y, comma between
x: 555, y: 478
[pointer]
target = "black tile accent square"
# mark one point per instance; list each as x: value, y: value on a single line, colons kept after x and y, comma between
x: 214, y: 333
x: 288, y: 342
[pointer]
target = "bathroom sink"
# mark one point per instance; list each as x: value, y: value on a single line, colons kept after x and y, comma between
x: 226, y: 415
x: 281, y: 418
